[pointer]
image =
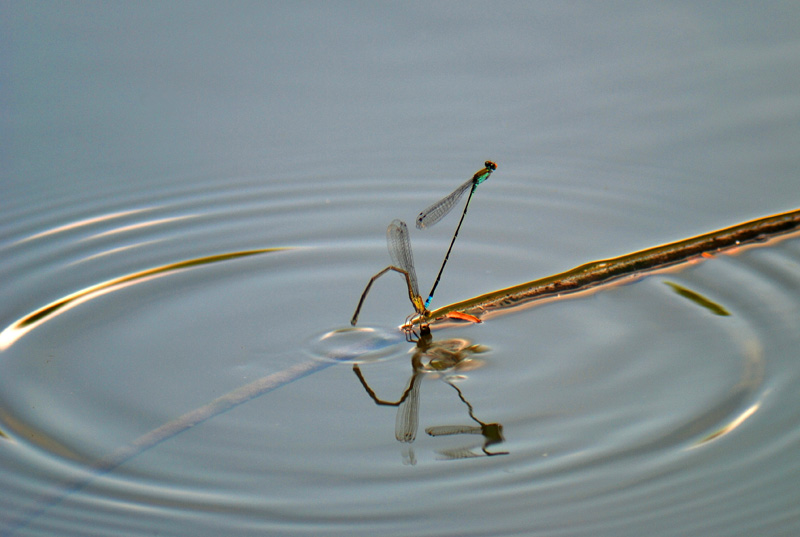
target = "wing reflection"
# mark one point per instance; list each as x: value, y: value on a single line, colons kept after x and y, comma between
x: 435, y: 358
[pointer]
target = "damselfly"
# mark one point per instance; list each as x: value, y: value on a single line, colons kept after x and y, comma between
x: 400, y: 245
x: 441, y: 208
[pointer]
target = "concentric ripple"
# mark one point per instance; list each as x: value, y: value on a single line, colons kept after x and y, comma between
x: 186, y: 356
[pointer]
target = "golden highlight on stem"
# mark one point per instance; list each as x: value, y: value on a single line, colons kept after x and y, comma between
x: 596, y: 273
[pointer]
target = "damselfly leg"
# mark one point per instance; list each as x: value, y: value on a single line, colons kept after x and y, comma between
x: 402, y: 263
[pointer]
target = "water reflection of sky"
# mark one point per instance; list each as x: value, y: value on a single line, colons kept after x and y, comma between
x: 139, y: 138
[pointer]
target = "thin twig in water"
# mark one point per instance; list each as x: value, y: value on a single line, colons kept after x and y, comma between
x: 595, y: 273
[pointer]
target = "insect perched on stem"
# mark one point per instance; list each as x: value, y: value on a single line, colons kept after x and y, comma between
x: 400, y: 245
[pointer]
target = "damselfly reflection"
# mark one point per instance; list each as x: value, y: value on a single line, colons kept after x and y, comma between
x: 400, y: 245
x: 492, y: 434
x: 445, y: 358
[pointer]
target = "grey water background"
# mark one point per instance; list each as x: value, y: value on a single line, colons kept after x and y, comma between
x: 137, y: 136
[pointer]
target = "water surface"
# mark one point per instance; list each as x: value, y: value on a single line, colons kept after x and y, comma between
x: 193, y: 198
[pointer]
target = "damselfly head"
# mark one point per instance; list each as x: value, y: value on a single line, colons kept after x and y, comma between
x: 484, y: 173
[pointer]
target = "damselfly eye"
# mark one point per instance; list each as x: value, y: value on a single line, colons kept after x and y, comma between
x: 491, y: 165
